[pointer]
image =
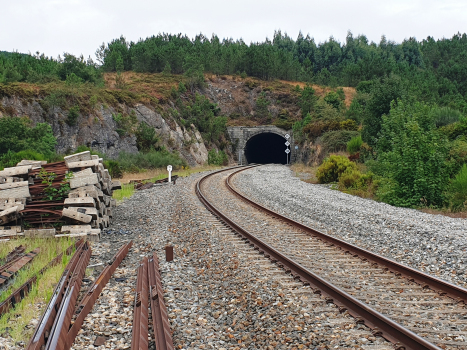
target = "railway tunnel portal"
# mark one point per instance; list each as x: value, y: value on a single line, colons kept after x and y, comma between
x: 262, y: 144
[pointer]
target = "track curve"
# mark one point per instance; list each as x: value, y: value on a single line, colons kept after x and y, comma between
x: 345, y: 298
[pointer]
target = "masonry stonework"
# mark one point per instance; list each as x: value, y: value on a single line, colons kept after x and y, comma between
x: 239, y: 136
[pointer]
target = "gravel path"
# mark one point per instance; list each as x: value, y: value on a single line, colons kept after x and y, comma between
x: 435, y: 244
x: 219, y: 292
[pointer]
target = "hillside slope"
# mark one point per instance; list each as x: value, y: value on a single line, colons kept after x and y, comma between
x: 106, y: 118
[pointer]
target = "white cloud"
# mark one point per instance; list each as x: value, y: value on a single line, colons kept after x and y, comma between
x: 80, y: 26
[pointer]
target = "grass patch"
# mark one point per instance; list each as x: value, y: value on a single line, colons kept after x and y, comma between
x: 14, y: 322
x: 126, y: 192
x: 154, y: 175
x: 305, y: 173
x: 50, y: 248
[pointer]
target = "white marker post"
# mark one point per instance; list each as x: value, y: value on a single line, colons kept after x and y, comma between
x: 169, y: 169
x: 287, y: 151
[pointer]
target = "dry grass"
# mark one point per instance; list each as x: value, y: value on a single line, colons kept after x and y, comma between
x: 305, y: 173
x: 154, y: 175
x: 321, y: 91
x: 161, y: 173
x: 445, y: 212
x: 154, y: 84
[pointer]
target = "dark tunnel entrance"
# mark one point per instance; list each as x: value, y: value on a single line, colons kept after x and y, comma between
x: 266, y: 148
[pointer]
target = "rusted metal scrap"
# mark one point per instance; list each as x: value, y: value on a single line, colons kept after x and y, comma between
x: 160, y: 318
x: 147, y: 183
x: 23, y: 290
x: 8, y: 270
x: 149, y: 285
x: 139, y: 337
x: 86, y: 304
x: 62, y: 295
x: 14, y: 254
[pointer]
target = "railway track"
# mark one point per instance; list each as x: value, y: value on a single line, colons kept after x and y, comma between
x: 65, y: 313
x: 18, y: 294
x: 149, y: 288
x: 408, y: 307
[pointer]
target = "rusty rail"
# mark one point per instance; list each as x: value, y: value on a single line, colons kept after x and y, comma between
x: 59, y: 331
x: 149, y: 286
x: 13, y: 254
x: 160, y: 318
x: 43, y: 331
x: 24, y: 289
x: 139, y: 336
x: 10, y: 269
x: 86, y: 304
x: 56, y: 331
x: 392, y: 331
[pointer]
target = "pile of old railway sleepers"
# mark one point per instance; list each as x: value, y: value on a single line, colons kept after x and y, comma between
x: 32, y: 208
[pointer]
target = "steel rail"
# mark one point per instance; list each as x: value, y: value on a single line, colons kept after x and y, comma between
x: 442, y: 287
x: 13, y: 254
x: 9, y: 270
x: 380, y: 324
x: 139, y: 335
x: 160, y: 318
x: 87, y: 303
x: 59, y: 331
x: 17, y: 295
x: 43, y: 329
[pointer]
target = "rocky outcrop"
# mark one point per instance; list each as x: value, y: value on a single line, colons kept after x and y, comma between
x: 98, y: 129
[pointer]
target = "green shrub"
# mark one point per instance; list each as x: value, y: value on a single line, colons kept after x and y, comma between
x: 333, y: 99
x: 181, y: 88
x: 335, y: 141
x: 146, y: 137
x: 333, y: 167
x: 283, y: 124
x: 354, y: 145
x: 349, y: 124
x: 73, y: 115
x: 457, y: 155
x: 113, y: 167
x: 262, y: 104
x: 10, y: 159
x: 444, y: 116
x: 454, y: 130
x: 457, y: 191
x: 126, y: 123
x: 354, y: 179
x: 131, y: 162
x: 413, y: 156
x: 217, y: 157
x: 18, y: 135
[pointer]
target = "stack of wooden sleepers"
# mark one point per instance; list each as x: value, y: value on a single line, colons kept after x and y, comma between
x: 28, y: 208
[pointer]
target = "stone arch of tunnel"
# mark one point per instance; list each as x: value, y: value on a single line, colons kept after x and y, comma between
x: 266, y: 147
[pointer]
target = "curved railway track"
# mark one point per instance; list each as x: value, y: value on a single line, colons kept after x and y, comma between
x: 407, y: 307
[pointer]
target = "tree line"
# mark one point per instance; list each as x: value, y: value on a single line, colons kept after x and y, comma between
x: 433, y: 70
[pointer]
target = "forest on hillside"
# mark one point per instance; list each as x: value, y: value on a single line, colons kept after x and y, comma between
x: 406, y: 129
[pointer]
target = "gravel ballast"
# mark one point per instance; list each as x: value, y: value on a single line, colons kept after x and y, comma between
x: 435, y: 244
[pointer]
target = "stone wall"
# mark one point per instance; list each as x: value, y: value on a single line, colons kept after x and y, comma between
x: 239, y: 136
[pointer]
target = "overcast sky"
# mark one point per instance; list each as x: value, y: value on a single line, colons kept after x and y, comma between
x: 80, y: 26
